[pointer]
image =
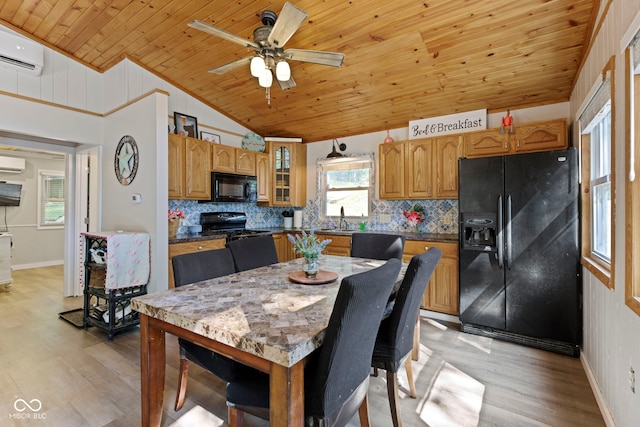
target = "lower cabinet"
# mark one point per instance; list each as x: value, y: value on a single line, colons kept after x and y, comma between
x: 442, y: 291
x: 189, y: 247
x: 340, y: 245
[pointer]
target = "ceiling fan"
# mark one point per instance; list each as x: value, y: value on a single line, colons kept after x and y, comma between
x: 268, y: 41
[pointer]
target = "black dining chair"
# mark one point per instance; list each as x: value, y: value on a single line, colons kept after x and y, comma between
x: 377, y: 246
x: 191, y: 268
x: 253, y: 252
x: 337, y: 374
x: 395, y: 336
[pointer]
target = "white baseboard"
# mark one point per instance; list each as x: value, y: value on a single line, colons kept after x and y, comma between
x: 37, y: 264
x: 604, y: 409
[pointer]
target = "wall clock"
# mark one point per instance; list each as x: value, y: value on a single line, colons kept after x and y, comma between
x: 125, y: 161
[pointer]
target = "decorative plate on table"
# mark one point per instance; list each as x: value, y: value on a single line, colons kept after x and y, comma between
x: 322, y: 277
x: 253, y: 142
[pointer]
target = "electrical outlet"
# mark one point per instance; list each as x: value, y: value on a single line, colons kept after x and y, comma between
x: 385, y: 218
x: 632, y: 379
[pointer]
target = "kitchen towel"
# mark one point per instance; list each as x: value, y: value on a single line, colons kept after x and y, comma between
x: 297, y: 219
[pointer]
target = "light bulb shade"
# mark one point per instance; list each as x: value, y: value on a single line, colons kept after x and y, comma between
x: 283, y: 71
x: 257, y: 66
x: 266, y: 79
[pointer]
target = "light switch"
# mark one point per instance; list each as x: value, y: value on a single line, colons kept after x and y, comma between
x: 136, y: 198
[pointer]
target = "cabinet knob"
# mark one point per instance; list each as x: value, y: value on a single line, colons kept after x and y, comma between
x: 426, y: 248
x: 199, y: 248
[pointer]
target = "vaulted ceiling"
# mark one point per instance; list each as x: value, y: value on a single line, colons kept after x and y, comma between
x: 405, y: 59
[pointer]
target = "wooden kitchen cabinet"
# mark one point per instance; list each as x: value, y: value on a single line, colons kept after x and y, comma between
x: 288, y: 162
x: 233, y: 160
x: 392, y: 174
x: 485, y: 143
x: 544, y: 136
x: 189, y: 168
x: 263, y: 174
x: 340, y: 245
x: 190, y: 247
x: 420, y: 168
x: 528, y: 138
x: 442, y: 291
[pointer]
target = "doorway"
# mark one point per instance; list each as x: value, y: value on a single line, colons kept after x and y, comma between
x: 82, y: 173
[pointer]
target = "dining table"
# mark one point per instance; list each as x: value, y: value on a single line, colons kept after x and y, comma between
x: 263, y: 318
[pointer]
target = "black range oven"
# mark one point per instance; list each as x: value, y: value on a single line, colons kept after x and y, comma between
x: 230, y: 224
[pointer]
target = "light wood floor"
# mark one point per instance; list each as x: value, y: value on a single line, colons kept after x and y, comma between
x: 83, y: 380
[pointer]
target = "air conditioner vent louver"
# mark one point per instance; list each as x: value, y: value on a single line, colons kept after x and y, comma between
x: 17, y: 63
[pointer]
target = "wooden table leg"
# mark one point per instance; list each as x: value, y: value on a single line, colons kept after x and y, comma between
x: 287, y: 395
x: 152, y: 369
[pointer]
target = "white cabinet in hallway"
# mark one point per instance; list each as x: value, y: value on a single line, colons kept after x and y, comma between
x: 5, y: 259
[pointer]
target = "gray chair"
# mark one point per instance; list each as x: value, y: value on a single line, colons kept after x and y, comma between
x: 336, y: 375
x: 377, y: 246
x: 395, y: 336
x: 253, y: 252
x: 191, y: 268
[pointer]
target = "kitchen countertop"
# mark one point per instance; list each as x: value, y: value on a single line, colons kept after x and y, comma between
x: 433, y: 237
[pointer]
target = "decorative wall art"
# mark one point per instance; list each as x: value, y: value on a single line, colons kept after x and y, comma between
x: 185, y: 125
x: 211, y: 137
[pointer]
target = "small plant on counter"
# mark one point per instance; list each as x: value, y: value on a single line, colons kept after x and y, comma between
x: 176, y: 214
x: 307, y: 244
x: 414, y: 216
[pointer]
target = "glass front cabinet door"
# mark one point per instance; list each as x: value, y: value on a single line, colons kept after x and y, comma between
x: 289, y: 173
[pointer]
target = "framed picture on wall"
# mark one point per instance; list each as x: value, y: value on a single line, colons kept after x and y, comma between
x: 185, y: 125
x: 211, y: 137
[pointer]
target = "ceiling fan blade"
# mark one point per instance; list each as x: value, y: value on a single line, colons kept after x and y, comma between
x: 315, y: 56
x: 199, y: 25
x: 231, y: 65
x: 289, y: 20
x: 287, y: 84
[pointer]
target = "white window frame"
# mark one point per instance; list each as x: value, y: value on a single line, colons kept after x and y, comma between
x: 600, y: 103
x: 342, y: 163
x: 42, y: 175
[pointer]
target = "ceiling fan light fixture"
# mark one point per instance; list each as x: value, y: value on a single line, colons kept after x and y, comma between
x: 257, y: 66
x: 266, y: 78
x: 283, y: 71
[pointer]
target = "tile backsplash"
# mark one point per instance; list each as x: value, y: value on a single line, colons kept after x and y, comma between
x: 441, y: 215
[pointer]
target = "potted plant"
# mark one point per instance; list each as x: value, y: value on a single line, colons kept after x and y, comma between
x: 174, y: 221
x: 308, y: 245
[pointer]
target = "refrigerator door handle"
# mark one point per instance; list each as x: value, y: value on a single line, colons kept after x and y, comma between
x: 500, y: 242
x: 509, y: 234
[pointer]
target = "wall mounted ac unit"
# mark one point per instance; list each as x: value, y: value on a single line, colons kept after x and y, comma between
x: 11, y: 165
x: 21, y: 54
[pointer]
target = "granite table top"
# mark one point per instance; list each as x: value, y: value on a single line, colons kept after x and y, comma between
x: 258, y: 311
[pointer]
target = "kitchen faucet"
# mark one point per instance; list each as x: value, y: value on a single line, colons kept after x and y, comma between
x: 343, y: 222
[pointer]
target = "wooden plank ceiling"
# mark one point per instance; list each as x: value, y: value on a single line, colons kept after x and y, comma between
x: 405, y: 59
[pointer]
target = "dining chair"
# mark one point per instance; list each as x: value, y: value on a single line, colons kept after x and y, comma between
x: 190, y: 268
x: 395, y: 336
x: 253, y: 252
x: 377, y: 245
x: 337, y: 374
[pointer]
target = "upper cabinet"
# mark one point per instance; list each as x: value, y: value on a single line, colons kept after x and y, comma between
x: 541, y: 136
x: 263, y: 174
x: 420, y: 168
x: 233, y: 160
x: 288, y: 161
x: 189, y: 168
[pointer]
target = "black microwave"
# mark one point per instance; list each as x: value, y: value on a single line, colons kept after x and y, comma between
x: 227, y: 187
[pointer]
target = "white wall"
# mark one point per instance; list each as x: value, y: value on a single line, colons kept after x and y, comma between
x: 611, y: 339
x: 145, y: 121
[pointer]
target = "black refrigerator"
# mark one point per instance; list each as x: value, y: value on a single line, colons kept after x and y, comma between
x: 519, y: 253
